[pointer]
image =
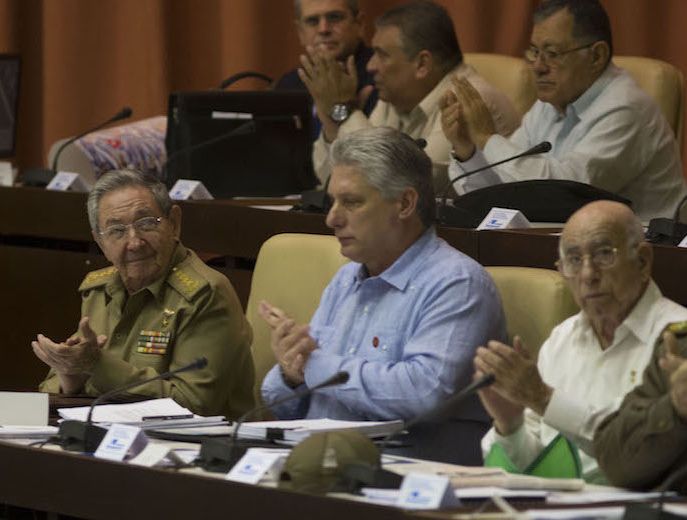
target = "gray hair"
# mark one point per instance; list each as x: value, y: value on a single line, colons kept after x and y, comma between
x: 118, y: 179
x: 391, y: 162
x: 425, y: 25
x: 352, y: 6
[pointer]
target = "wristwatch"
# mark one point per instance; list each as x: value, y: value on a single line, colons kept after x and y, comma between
x: 341, y: 111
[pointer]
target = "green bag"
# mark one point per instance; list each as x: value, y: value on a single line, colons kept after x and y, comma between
x: 560, y: 459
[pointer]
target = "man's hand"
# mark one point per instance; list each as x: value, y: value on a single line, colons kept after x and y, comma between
x: 290, y: 343
x: 517, y: 377
x: 454, y: 126
x: 507, y: 415
x: 675, y: 367
x: 479, y: 124
x: 74, y: 359
x: 329, y: 82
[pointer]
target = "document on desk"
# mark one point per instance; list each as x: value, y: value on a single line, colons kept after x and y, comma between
x: 27, y: 432
x: 146, y: 414
x: 296, y: 431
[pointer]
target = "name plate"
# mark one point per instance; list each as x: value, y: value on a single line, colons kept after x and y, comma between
x: 186, y: 189
x: 257, y: 463
x: 120, y: 441
x: 503, y: 218
x: 68, y: 181
x: 7, y: 174
x: 426, y: 491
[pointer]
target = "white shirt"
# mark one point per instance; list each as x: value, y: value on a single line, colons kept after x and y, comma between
x: 613, y: 137
x: 424, y: 121
x: 588, y: 382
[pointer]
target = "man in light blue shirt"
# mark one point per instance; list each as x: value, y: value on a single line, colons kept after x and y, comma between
x: 403, y: 318
x: 604, y: 130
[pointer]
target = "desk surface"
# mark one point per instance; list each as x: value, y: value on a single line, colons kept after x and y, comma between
x: 56, y: 481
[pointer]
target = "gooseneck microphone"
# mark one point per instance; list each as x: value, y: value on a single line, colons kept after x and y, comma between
x: 542, y: 147
x: 220, y: 455
x: 85, y: 436
x: 359, y: 475
x: 124, y: 113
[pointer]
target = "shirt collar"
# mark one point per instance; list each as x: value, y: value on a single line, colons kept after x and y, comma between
x: 430, y: 102
x: 399, y: 273
x: 639, y: 321
x: 581, y: 104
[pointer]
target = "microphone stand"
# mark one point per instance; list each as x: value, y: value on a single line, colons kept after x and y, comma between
x: 220, y: 455
x: 41, y: 176
x: 457, y: 217
x: 360, y: 475
x: 82, y: 436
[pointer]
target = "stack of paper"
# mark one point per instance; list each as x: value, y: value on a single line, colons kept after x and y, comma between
x: 296, y: 431
x: 151, y: 414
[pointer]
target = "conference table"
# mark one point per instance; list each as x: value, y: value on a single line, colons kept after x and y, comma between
x: 46, y: 249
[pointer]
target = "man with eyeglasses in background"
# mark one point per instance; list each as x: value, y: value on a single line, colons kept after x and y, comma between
x: 333, y: 29
x: 605, y: 131
x: 591, y: 360
x: 157, y: 308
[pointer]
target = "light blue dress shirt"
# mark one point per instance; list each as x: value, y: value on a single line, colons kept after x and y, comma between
x: 406, y: 337
x: 613, y: 137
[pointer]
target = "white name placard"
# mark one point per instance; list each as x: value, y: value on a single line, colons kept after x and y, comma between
x: 120, y: 441
x: 426, y: 491
x: 7, y: 174
x: 503, y: 218
x: 186, y: 189
x: 255, y: 464
x: 68, y: 181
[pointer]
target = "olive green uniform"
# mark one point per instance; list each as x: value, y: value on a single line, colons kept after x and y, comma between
x: 191, y: 311
x: 645, y: 441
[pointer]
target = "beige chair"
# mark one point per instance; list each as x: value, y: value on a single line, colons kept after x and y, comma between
x: 291, y: 272
x: 510, y: 75
x: 663, y: 82
x: 534, y: 300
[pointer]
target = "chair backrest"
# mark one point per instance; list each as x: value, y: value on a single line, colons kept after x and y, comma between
x: 510, y: 75
x: 663, y: 82
x: 534, y: 301
x: 291, y: 272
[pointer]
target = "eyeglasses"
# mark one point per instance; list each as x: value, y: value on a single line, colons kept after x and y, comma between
x: 601, y: 258
x: 533, y: 53
x: 331, y: 17
x: 143, y: 225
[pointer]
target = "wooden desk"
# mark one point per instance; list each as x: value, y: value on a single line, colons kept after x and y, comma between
x: 85, y: 487
x: 46, y: 248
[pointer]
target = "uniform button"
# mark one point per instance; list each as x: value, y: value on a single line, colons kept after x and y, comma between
x: 86, y: 293
x: 118, y: 336
x: 351, y: 350
x: 384, y: 348
x: 366, y: 309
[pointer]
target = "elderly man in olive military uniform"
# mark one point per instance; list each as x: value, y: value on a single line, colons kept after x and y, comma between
x: 157, y: 308
x: 644, y: 443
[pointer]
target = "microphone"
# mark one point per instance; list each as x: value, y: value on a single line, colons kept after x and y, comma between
x: 124, y: 113
x: 447, y: 216
x: 241, y: 75
x: 359, y: 475
x: 220, y: 455
x: 42, y: 176
x: 85, y: 436
x: 246, y: 128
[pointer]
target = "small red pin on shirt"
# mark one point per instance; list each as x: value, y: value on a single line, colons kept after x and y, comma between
x: 375, y: 342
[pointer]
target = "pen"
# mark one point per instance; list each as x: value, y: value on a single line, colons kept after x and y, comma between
x: 167, y: 417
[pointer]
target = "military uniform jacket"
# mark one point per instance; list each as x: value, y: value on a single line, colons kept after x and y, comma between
x: 191, y: 311
x: 645, y: 441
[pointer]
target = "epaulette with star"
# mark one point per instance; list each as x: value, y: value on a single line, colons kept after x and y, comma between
x: 97, y: 278
x: 186, y: 281
x: 679, y: 328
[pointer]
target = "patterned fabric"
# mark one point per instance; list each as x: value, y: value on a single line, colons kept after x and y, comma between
x: 139, y: 145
